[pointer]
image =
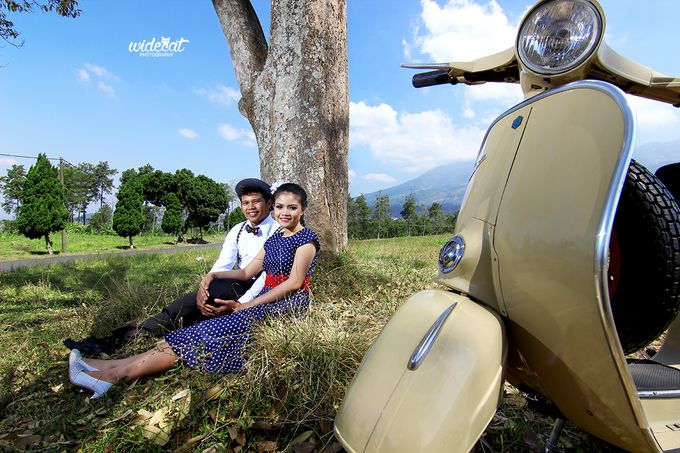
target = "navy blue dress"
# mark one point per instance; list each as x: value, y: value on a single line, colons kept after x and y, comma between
x: 219, y: 344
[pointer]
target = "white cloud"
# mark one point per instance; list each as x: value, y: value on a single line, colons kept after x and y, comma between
x: 379, y: 177
x: 653, y: 115
x: 105, y: 88
x: 229, y: 132
x: 220, y: 95
x: 509, y: 93
x: 351, y: 175
x: 413, y: 142
x: 188, y: 133
x: 7, y: 161
x: 101, y: 72
x: 462, y: 30
x: 83, y: 75
x: 498, y: 96
x: 656, y: 121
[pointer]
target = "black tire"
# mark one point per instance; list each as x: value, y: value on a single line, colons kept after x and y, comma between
x: 646, y: 296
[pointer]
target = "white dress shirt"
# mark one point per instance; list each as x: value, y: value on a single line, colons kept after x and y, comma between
x: 246, y: 246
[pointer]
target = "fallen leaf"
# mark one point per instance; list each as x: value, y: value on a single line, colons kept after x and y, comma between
x: 108, y: 422
x: 155, y: 434
x: 233, y: 432
x: 531, y: 439
x: 24, y: 440
x: 188, y: 445
x: 303, y: 447
x: 181, y: 394
x: 300, y: 438
x: 241, y: 438
x: 142, y: 416
x: 217, y: 448
x: 57, y: 388
x: 157, y: 416
x: 334, y: 447
x: 213, y: 392
x: 267, y: 446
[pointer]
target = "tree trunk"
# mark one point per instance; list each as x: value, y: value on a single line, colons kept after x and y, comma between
x: 131, y: 244
x: 295, y: 94
x: 48, y: 244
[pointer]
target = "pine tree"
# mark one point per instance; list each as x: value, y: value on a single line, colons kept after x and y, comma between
x: 12, y: 186
x: 42, y: 210
x: 381, y: 215
x: 128, y: 218
x: 172, y: 217
x: 409, y: 212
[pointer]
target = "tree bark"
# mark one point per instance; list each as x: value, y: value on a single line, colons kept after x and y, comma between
x: 48, y: 244
x: 295, y: 94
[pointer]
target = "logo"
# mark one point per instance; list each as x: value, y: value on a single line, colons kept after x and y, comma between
x: 158, y: 48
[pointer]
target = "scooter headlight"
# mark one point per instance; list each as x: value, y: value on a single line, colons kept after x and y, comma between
x: 451, y: 254
x: 559, y: 35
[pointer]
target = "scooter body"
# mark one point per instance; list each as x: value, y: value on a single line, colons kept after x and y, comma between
x: 529, y: 278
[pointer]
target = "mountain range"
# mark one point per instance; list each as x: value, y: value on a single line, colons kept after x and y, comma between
x: 446, y: 184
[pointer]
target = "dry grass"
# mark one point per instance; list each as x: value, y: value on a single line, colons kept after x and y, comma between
x: 287, y: 395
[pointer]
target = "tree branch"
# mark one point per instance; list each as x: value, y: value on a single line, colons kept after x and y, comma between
x: 247, y: 44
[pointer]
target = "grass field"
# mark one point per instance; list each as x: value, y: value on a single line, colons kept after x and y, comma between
x: 14, y: 246
x: 288, y: 394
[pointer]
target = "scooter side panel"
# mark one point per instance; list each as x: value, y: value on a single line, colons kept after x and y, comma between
x: 546, y: 238
x: 477, y: 217
x: 444, y: 404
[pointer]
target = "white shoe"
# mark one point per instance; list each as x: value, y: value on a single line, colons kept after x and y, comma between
x: 98, y: 386
x: 76, y: 364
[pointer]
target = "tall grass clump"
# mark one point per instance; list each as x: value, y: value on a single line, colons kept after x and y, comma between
x: 285, y: 399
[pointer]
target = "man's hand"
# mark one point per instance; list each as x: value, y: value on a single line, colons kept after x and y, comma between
x: 202, y: 295
x: 225, y: 306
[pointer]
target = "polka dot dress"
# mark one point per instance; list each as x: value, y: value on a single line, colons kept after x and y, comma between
x: 219, y: 344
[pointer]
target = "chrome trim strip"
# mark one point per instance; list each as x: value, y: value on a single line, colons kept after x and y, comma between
x: 657, y: 394
x: 605, y: 228
x: 602, y: 248
x: 427, y: 342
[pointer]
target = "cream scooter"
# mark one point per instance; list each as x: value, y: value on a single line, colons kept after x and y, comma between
x: 566, y: 257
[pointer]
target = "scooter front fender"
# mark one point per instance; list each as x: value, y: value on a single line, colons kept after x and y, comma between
x: 431, y: 382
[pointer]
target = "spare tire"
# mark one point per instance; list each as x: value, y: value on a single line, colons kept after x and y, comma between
x: 644, y: 260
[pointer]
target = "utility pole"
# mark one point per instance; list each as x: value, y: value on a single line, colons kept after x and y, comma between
x: 61, y: 178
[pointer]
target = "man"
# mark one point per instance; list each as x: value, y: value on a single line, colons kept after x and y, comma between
x: 241, y: 245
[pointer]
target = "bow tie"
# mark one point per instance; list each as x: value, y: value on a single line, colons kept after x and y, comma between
x: 254, y: 230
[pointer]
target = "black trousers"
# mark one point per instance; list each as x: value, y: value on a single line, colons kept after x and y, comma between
x: 182, y: 312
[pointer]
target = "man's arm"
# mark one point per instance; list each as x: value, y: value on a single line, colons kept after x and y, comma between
x: 254, y: 290
x: 229, y: 253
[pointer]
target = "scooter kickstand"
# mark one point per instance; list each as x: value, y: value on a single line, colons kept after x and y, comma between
x: 551, y: 444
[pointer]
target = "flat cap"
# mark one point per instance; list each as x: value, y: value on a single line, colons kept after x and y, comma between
x: 253, y: 183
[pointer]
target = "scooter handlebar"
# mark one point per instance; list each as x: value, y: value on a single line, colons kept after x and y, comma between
x: 431, y: 78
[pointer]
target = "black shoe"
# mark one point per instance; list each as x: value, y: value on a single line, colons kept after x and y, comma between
x: 90, y: 346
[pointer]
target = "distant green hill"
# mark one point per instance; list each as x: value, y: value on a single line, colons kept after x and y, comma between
x: 446, y: 184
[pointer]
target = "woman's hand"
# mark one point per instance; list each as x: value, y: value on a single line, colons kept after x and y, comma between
x: 224, y: 307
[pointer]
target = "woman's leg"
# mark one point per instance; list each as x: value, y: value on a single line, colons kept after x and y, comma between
x: 160, y: 358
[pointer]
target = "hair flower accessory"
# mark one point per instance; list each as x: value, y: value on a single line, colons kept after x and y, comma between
x: 275, y: 186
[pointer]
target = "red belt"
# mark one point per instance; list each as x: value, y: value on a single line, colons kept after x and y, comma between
x: 273, y: 280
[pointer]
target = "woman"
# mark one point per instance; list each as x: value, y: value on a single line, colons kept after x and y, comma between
x: 219, y: 344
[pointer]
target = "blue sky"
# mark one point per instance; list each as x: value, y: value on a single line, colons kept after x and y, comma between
x: 75, y: 90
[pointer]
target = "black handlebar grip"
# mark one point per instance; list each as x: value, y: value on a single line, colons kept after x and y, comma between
x: 431, y: 78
